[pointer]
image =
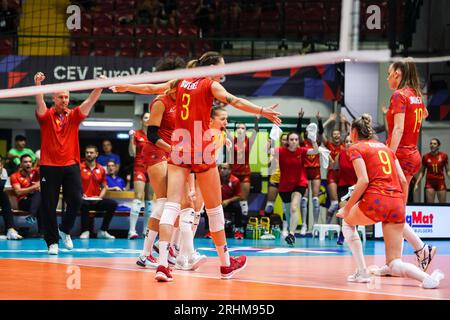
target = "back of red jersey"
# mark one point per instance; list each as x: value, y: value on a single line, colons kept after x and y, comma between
x: 193, y: 107
x: 140, y: 140
x: 168, y: 119
x: 406, y: 101
x: 380, y: 165
x: 435, y: 165
x: 311, y: 161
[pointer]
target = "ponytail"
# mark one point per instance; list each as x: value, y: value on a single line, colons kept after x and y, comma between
x: 410, y: 75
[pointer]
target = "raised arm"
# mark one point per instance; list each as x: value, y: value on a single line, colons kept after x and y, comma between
x: 223, y: 95
x: 299, y: 129
x: 158, y: 88
x: 41, y: 107
x: 131, y: 145
x: 86, y: 105
x: 331, y: 119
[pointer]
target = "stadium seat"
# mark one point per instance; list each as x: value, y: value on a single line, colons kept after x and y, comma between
x: 185, y: 31
x: 103, y: 30
x: 125, y: 4
x: 123, y: 31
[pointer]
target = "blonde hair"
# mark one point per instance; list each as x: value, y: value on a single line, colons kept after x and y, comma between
x: 363, y: 126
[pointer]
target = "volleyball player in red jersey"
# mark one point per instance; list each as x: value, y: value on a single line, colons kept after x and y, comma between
x: 404, y: 120
x: 293, y: 180
x: 381, y: 184
x: 142, y: 187
x: 157, y: 150
x: 194, y: 102
x: 241, y: 161
x: 435, y: 163
x: 335, y: 146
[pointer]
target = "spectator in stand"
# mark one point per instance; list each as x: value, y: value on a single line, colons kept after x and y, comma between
x: 9, y: 19
x: 27, y: 187
x: 11, y: 233
x: 205, y: 17
x: 93, y: 178
x: 435, y: 163
x: 114, y: 182
x: 108, y: 155
x: 231, y: 194
x: 19, y: 150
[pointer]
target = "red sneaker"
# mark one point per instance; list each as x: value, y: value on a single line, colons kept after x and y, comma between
x: 238, y: 235
x: 208, y: 235
x: 236, y: 265
x: 163, y: 274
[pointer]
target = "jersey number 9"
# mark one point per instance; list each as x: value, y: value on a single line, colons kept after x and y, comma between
x: 384, y: 158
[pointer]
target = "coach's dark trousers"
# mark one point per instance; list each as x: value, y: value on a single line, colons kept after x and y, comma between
x: 32, y: 204
x: 6, y: 211
x: 52, y: 178
x: 108, y: 207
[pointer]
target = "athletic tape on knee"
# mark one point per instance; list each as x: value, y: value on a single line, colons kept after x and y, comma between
x: 158, y: 208
x: 187, y: 219
x: 170, y: 213
x: 349, y: 232
x: 136, y: 207
x: 216, y: 219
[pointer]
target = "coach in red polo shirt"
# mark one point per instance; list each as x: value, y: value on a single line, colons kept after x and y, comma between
x: 60, y: 161
x: 93, y: 178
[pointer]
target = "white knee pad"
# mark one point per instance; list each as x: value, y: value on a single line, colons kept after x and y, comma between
x: 349, y: 232
x: 158, y: 208
x: 187, y: 217
x: 170, y: 213
x: 216, y: 219
x: 304, y: 202
x: 136, y: 207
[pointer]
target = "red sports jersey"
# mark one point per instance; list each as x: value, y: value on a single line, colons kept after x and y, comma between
x: 435, y: 165
x: 292, y: 171
x: 168, y: 119
x: 92, y: 180
x: 406, y: 101
x: 311, y: 161
x: 59, y: 137
x: 194, y: 102
x: 347, y: 175
x: 241, y: 158
x: 231, y: 188
x: 24, y: 181
x: 335, y: 149
x: 380, y: 165
x: 139, y: 140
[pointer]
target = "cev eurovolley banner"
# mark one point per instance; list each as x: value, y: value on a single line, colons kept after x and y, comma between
x: 427, y: 221
x: 317, y: 82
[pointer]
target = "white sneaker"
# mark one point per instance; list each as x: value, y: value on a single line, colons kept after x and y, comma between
x: 182, y: 262
x: 196, y: 260
x: 104, y: 235
x: 383, y: 271
x: 147, y: 261
x: 303, y: 230
x: 359, y: 277
x: 12, y: 234
x: 66, y: 240
x: 85, y: 235
x: 432, y: 281
x: 53, y: 249
x: 132, y: 235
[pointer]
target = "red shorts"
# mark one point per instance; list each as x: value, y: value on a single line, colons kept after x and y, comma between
x: 313, y: 173
x: 380, y: 208
x: 332, y: 176
x: 410, y: 160
x: 436, y: 184
x: 154, y: 155
x: 197, y: 165
x: 140, y: 173
x: 243, y: 177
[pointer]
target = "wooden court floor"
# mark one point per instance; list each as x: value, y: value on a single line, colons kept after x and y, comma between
x: 272, y: 277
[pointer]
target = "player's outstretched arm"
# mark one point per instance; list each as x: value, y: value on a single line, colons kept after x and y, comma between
x: 223, y: 95
x: 41, y: 107
x: 90, y: 101
x: 151, y: 88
